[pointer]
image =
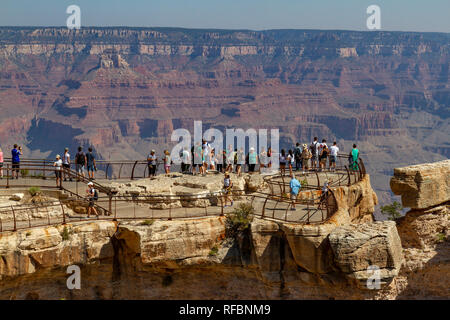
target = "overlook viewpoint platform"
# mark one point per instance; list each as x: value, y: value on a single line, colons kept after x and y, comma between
x: 172, y: 196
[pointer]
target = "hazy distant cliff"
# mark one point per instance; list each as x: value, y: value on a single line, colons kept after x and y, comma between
x: 125, y: 89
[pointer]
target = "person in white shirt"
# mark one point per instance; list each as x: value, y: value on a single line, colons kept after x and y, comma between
x: 58, y: 169
x: 333, y: 155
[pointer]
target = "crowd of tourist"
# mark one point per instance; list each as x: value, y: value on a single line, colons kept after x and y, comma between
x: 302, y: 157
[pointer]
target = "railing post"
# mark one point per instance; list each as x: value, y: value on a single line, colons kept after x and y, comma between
x: 132, y: 171
x: 7, y: 175
x: 43, y: 171
x: 64, y: 215
x: 14, y: 217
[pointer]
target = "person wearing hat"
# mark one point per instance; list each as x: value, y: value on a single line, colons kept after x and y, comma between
x: 58, y: 169
x: 92, y: 196
x: 151, y: 163
x: 306, y: 155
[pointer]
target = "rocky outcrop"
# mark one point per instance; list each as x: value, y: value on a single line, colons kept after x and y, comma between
x: 424, y: 185
x: 356, y: 247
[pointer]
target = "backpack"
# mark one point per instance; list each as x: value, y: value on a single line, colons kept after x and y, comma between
x: 95, y: 195
x: 313, y: 148
x: 297, y: 153
x: 80, y: 158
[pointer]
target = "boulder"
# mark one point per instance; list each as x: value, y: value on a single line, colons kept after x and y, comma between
x: 17, y: 197
x: 423, y: 185
x: 356, y: 247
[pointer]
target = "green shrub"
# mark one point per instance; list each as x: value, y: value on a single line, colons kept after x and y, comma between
x: 440, y: 237
x: 24, y: 172
x: 392, y: 211
x: 34, y: 191
x: 304, y: 182
x: 214, y: 250
x: 65, y: 234
x: 147, y: 222
x: 239, y: 220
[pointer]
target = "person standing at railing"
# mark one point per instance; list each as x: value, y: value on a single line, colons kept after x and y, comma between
x: 58, y: 169
x: 354, y: 156
x: 16, y: 153
x: 229, y: 159
x: 290, y: 161
x: 313, y: 147
x: 298, y: 157
x: 306, y: 155
x: 80, y: 162
x: 334, y: 150
x: 151, y: 163
x: 185, y: 160
x: 90, y: 160
x: 263, y: 161
x: 1, y: 163
x: 167, y: 161
x: 92, y: 196
x: 66, y: 164
x: 323, y: 156
x: 295, y: 186
x: 283, y: 162
x: 252, y: 160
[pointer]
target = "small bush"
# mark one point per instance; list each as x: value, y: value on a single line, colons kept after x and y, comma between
x: 440, y: 237
x: 24, y: 172
x: 392, y: 211
x: 214, y: 250
x: 65, y: 234
x: 239, y: 220
x: 147, y: 222
x: 304, y: 182
x: 34, y: 191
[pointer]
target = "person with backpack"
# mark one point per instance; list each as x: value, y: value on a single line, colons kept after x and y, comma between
x: 90, y: 161
x: 298, y: 157
x: 313, y: 150
x: 80, y: 162
x: 92, y: 196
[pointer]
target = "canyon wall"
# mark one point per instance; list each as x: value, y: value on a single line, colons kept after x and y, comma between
x: 195, y: 259
x: 124, y: 90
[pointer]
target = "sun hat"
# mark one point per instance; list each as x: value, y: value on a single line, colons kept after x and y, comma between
x: 58, y: 156
x: 90, y: 184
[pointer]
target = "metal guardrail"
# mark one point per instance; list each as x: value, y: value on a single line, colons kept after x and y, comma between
x: 314, y: 201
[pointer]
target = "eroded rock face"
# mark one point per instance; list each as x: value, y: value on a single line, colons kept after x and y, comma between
x: 423, y: 185
x: 358, y: 246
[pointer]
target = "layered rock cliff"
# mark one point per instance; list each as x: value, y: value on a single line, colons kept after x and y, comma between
x: 124, y: 90
x: 195, y: 259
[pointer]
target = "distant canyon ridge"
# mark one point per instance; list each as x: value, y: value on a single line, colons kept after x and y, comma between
x: 124, y: 90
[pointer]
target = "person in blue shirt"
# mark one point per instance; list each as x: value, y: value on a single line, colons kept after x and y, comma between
x: 16, y: 153
x: 295, y: 186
